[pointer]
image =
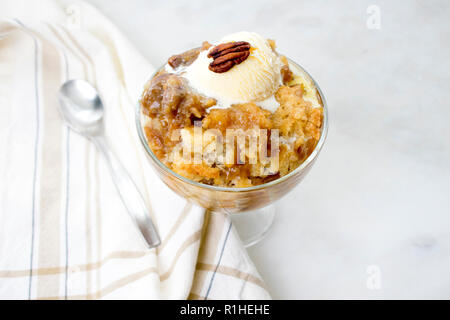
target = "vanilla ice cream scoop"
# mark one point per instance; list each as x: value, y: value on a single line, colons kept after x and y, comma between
x: 254, y: 80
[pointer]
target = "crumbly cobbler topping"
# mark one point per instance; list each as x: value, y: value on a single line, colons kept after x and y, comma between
x: 173, y: 110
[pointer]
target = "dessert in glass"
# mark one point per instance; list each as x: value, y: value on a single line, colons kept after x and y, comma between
x: 233, y: 126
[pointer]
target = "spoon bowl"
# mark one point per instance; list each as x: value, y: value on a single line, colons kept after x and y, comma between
x: 81, y: 107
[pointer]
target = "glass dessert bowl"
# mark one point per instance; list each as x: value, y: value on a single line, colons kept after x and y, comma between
x: 240, y: 84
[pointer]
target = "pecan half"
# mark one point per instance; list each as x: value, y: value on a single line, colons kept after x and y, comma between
x: 227, y: 55
x: 188, y: 57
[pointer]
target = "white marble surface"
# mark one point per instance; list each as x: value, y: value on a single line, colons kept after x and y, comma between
x: 380, y: 191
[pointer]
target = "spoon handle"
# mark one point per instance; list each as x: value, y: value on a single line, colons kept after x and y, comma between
x: 131, y: 197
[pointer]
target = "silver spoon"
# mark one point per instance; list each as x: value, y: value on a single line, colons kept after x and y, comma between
x: 82, y: 109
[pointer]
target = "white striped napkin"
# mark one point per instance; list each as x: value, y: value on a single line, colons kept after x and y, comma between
x: 64, y: 233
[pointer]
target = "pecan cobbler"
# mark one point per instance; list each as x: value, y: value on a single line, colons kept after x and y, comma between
x: 241, y: 85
